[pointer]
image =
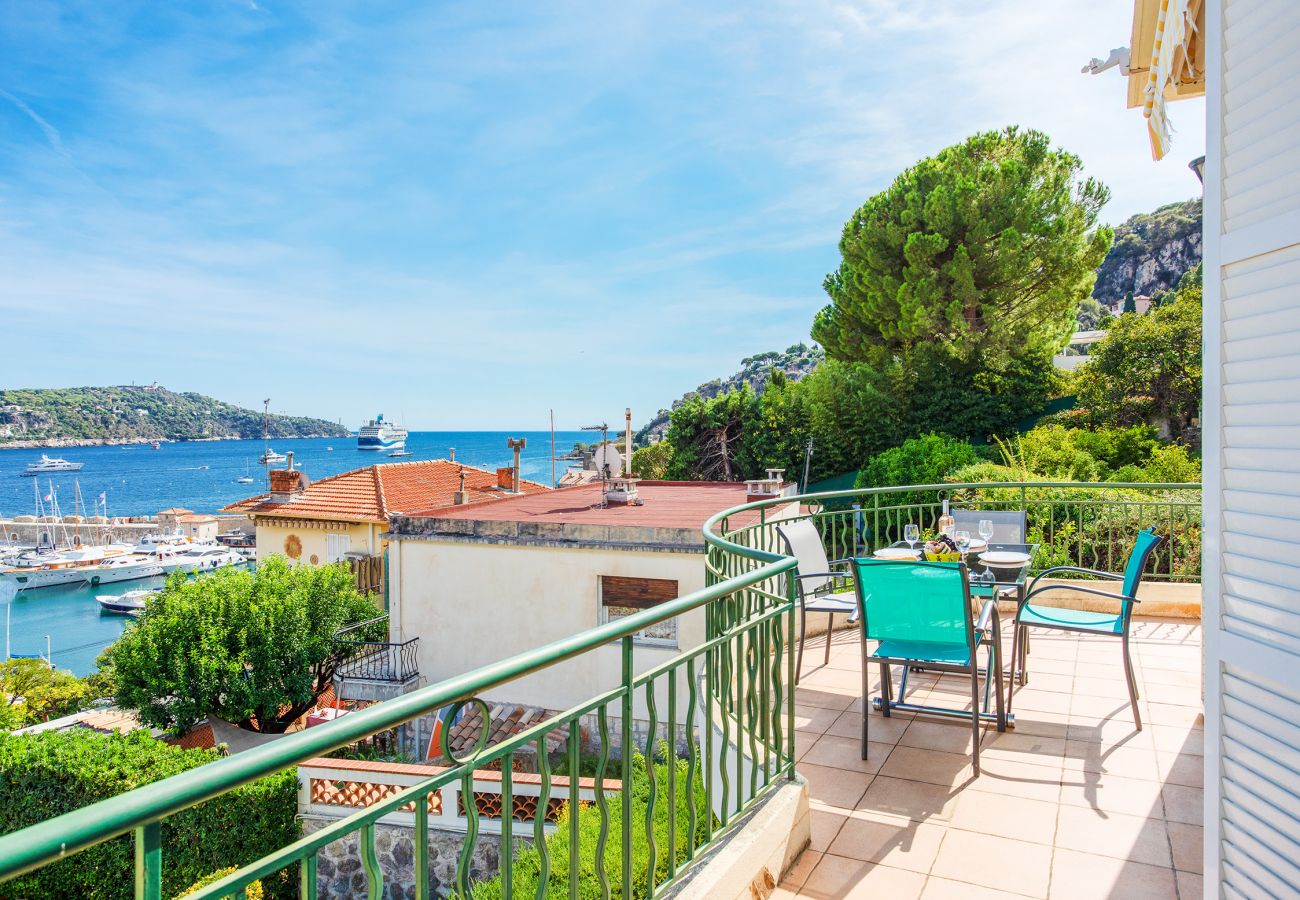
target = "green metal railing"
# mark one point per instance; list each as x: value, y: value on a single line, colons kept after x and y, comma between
x: 727, y: 705
x: 1087, y: 524
x: 727, y: 714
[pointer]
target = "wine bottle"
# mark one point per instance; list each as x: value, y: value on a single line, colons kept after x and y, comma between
x: 947, y: 524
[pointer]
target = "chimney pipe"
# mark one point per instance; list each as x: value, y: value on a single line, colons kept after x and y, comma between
x: 289, y: 461
x: 451, y: 455
x: 462, y: 495
x: 627, y: 444
x: 516, y: 444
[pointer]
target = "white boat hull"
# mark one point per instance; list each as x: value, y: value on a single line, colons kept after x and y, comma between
x: 113, y: 574
x: 30, y: 579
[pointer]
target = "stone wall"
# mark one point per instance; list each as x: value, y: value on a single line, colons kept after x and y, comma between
x: 28, y: 530
x: 339, y: 873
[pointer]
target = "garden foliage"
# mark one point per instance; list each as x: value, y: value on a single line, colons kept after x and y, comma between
x: 45, y: 775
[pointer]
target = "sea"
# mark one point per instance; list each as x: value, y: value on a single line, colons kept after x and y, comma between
x: 136, y: 480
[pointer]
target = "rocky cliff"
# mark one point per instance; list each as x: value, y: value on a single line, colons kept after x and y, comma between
x: 1151, y: 252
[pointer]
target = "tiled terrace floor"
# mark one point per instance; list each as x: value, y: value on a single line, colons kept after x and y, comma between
x: 1074, y: 802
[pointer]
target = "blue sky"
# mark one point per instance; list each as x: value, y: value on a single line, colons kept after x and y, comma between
x: 467, y: 214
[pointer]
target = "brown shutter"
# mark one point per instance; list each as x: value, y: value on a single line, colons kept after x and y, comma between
x: 636, y: 593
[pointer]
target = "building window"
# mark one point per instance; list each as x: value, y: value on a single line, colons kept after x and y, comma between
x: 623, y: 596
x: 336, y: 547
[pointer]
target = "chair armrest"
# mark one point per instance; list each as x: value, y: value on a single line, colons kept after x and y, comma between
x: 840, y: 562
x: 1054, y: 569
x: 988, y: 615
x: 822, y: 575
x: 1082, y: 589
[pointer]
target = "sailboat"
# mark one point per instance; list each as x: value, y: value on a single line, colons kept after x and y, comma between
x: 245, y: 478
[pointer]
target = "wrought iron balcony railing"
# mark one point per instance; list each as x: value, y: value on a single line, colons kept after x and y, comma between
x: 719, y: 715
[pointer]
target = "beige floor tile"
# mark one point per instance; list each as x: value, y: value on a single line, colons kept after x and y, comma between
x: 994, y: 862
x: 824, y: 698
x: 1178, y: 740
x: 825, y: 825
x: 879, y: 728
x: 1012, y: 778
x: 834, y: 788
x: 1190, y: 886
x: 1030, y: 697
x: 1112, y: 794
x: 1110, y: 732
x: 841, y: 681
x: 1043, y: 724
x: 932, y: 766
x: 1187, y: 844
x: 1049, y: 681
x: 1020, y: 746
x: 1100, y: 708
x: 1045, y: 664
x: 947, y: 889
x: 1179, y: 677
x: 812, y: 719
x: 947, y: 737
x: 1184, y: 804
x: 1174, y: 695
x: 1086, y: 876
x: 1176, y: 716
x: 915, y: 800
x: 798, y: 873
x: 1010, y: 817
x: 851, y: 879
x: 846, y: 753
x: 1135, y: 838
x: 900, y: 843
x: 1181, y: 768
x: 1102, y: 688
x: 1107, y: 671
x: 1126, y: 762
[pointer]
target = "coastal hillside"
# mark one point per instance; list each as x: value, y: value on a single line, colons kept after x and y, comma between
x: 797, y: 361
x: 1152, y: 251
x: 62, y: 417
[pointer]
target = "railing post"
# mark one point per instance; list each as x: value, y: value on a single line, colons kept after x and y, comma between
x: 148, y: 862
x: 792, y: 599
x: 625, y: 789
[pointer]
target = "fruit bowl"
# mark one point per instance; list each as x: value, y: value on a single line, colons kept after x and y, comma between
x: 943, y: 556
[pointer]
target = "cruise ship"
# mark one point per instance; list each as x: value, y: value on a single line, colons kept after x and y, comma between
x: 380, y: 435
x: 56, y: 464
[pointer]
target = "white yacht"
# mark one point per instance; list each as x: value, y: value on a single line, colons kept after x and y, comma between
x: 380, y: 435
x: 270, y: 456
x: 203, y: 558
x: 52, y: 464
x: 127, y: 567
x: 51, y: 568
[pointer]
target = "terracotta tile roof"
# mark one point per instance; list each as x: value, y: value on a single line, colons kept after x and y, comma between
x: 199, y: 737
x: 375, y: 493
x: 506, y: 720
x: 664, y: 504
x: 109, y: 719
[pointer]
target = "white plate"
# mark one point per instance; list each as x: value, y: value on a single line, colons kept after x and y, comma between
x: 977, y: 544
x: 896, y: 553
x: 1004, y: 558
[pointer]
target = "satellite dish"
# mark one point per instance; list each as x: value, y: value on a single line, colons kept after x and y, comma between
x: 607, y: 454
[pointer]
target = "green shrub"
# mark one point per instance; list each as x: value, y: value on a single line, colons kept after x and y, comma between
x: 45, y: 775
x: 528, y: 862
x: 928, y: 459
x: 252, y: 892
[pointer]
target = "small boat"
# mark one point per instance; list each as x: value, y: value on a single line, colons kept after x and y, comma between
x: 400, y: 453
x: 131, y: 603
x: 244, y: 479
x: 154, y: 444
x: 329, y: 449
x: 271, y: 456
x: 52, y: 464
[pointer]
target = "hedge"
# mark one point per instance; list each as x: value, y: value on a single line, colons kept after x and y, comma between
x: 47, y: 774
x: 528, y: 862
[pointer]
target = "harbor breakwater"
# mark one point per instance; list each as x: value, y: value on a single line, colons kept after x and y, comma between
x: 28, y: 530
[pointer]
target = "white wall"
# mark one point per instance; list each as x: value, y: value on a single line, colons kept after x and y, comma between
x: 1252, y: 448
x: 472, y: 604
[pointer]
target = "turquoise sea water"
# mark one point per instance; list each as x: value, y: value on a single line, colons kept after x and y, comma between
x: 136, y: 480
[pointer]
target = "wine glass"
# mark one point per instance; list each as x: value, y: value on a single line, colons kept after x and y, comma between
x: 986, y: 529
x: 911, y: 534
x: 963, y: 541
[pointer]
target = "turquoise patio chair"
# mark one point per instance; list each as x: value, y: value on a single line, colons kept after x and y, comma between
x: 1108, y: 624
x: 919, y: 615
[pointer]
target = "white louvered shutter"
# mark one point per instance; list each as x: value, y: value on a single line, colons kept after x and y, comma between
x: 1252, y: 449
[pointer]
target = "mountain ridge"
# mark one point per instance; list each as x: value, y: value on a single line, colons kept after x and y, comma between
x: 132, y: 414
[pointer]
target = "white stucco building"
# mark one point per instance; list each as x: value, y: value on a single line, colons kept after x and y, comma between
x: 479, y: 583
